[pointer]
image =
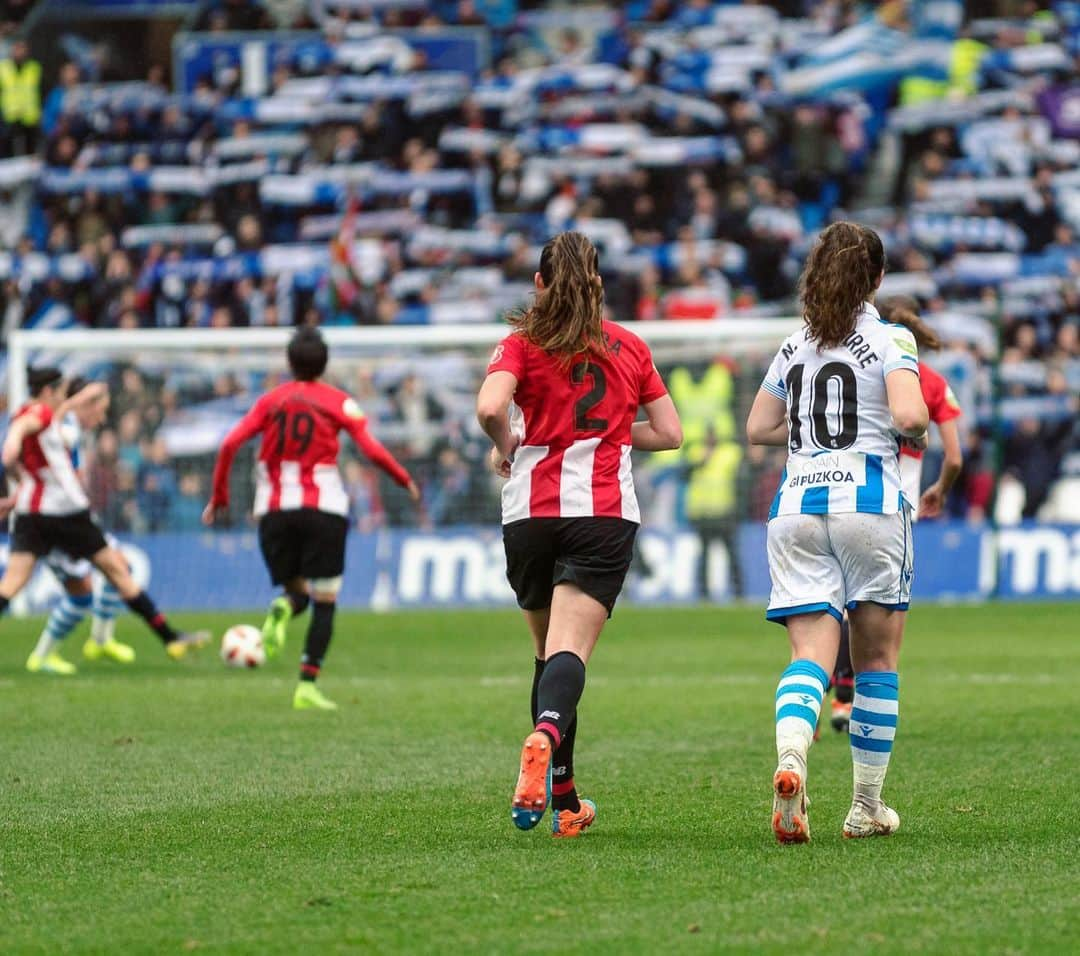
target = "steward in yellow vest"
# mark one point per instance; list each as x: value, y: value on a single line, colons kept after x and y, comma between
x: 712, y: 497
x: 20, y: 98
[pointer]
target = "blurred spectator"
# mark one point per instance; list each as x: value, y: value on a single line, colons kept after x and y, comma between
x: 232, y: 15
x: 712, y: 506
x: 365, y: 504
x: 186, y: 508
x: 156, y: 487
x: 452, y: 497
x: 20, y: 100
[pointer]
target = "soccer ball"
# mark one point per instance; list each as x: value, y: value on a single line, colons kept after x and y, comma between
x: 242, y: 646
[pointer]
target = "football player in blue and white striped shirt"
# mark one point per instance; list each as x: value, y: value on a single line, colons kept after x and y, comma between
x: 841, y: 393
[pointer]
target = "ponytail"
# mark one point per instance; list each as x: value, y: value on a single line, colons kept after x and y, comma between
x: 566, y: 317
x: 903, y: 310
x: 841, y: 273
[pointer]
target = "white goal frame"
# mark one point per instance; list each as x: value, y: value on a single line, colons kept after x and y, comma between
x: 736, y: 334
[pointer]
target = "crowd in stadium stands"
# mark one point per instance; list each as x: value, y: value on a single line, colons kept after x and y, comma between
x: 360, y: 176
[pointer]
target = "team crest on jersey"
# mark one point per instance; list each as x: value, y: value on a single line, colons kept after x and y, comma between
x: 497, y: 354
x: 351, y: 409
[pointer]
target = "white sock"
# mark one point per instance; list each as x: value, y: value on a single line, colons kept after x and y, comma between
x: 46, y: 644
x: 798, y: 705
x: 65, y: 617
x: 872, y: 729
x: 102, y: 629
x: 107, y: 605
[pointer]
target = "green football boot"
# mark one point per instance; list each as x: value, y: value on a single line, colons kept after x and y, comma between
x: 276, y: 626
x: 309, y: 697
x: 51, y: 663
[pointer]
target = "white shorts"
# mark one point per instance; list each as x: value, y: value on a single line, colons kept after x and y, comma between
x: 67, y: 568
x: 833, y: 562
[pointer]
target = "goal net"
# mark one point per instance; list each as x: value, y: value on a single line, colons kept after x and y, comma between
x: 175, y: 394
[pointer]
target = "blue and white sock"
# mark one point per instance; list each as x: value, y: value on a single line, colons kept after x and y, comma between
x: 107, y: 605
x: 65, y: 617
x: 798, y: 704
x: 872, y: 729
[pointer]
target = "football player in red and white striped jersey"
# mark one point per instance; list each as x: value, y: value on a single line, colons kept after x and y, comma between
x: 300, y: 498
x: 560, y: 402
x: 52, y: 511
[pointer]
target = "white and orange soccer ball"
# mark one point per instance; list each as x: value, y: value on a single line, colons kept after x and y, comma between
x: 242, y: 646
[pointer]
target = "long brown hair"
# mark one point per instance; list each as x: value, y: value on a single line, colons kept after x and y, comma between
x: 841, y: 273
x: 904, y: 310
x: 565, y: 319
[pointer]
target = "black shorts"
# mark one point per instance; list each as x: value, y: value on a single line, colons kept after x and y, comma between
x: 304, y: 543
x: 592, y: 553
x: 75, y: 535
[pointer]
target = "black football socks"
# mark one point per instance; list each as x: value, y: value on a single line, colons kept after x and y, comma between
x: 538, y: 669
x: 142, y: 605
x: 320, y: 630
x: 558, y: 693
x: 298, y: 602
x: 563, y: 794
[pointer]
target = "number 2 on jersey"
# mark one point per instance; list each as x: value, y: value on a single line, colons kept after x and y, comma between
x: 583, y: 422
x: 846, y: 415
x: 298, y: 428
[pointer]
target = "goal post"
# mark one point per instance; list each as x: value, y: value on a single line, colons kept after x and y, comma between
x: 734, y: 335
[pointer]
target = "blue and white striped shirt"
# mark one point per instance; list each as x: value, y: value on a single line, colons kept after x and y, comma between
x: 841, y: 440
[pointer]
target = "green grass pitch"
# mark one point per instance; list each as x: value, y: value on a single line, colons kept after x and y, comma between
x: 171, y: 808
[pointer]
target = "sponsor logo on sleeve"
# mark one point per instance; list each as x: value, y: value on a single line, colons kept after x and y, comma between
x: 351, y: 409
x: 906, y: 345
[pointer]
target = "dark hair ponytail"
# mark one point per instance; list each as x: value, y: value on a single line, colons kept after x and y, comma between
x: 904, y: 310
x: 566, y: 317
x: 841, y: 273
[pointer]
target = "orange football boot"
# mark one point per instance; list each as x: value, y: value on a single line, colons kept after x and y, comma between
x: 841, y: 716
x: 533, y: 790
x: 567, y: 823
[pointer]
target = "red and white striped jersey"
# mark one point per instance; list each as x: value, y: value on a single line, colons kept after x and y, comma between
x: 574, y: 424
x: 49, y: 484
x: 297, y: 464
x: 943, y: 407
x: 940, y: 401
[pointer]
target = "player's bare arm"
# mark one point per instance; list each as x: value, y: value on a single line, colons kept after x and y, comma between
x: 933, y: 498
x: 493, y: 414
x: 906, y: 404
x: 21, y: 429
x: 767, y: 421
x: 662, y: 430
x: 90, y: 394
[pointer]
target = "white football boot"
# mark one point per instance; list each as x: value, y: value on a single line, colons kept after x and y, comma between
x: 864, y: 821
x: 790, y: 821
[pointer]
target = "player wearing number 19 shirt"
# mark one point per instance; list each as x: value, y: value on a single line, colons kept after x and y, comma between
x: 560, y: 401
x: 842, y: 394
x: 300, y: 499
